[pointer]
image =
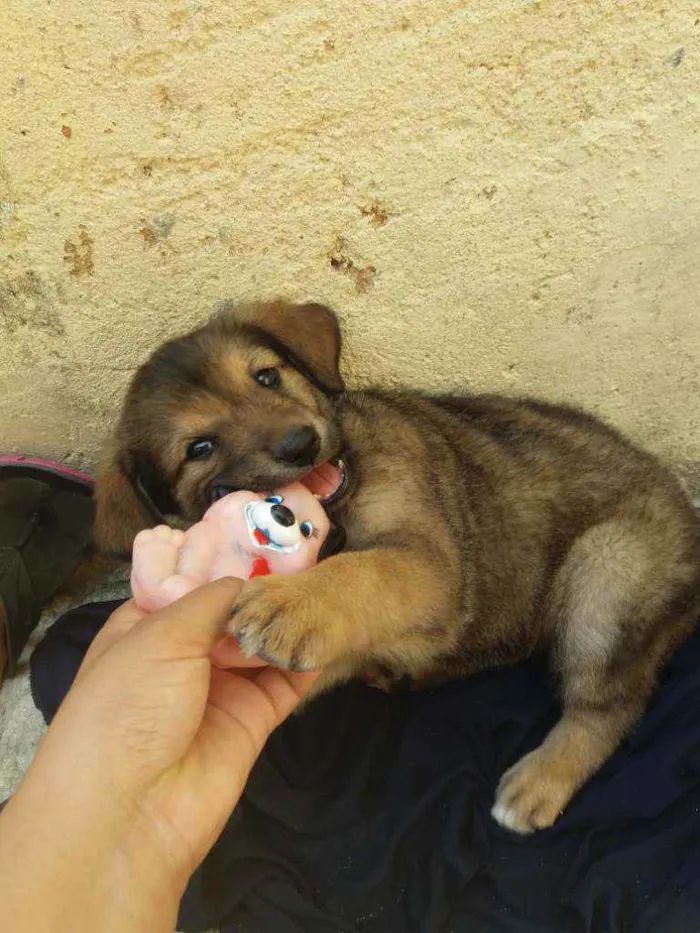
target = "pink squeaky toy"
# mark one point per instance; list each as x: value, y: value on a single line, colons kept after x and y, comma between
x: 243, y: 534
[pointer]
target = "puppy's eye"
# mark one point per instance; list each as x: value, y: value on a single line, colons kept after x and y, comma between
x: 307, y: 529
x: 268, y: 378
x: 275, y: 500
x: 200, y: 449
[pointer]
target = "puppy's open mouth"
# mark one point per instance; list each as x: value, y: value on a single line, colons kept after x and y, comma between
x: 327, y: 481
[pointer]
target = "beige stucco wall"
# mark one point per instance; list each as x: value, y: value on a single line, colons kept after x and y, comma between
x: 498, y: 194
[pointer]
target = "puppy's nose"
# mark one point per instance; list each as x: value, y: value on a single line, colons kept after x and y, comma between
x: 282, y: 515
x: 298, y: 447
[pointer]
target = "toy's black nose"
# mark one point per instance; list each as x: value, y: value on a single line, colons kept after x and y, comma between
x: 298, y: 447
x: 282, y: 515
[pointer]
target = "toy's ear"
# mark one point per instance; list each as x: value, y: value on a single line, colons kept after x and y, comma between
x: 128, y: 497
x: 308, y: 335
x: 335, y: 542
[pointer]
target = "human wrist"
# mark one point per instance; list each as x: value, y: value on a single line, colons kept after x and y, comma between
x: 82, y: 869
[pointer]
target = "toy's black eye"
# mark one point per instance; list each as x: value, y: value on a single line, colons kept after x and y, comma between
x: 268, y: 378
x: 200, y: 449
x: 307, y: 529
x: 275, y: 500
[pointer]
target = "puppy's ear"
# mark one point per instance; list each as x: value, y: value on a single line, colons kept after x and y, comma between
x: 152, y: 488
x: 119, y: 513
x: 308, y: 335
x: 126, y: 503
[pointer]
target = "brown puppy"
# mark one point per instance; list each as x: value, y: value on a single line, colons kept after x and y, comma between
x: 480, y: 530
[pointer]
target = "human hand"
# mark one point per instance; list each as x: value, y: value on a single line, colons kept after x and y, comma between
x: 152, y: 746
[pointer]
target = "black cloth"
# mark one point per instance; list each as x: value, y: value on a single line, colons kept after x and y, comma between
x: 46, y: 523
x: 370, y: 812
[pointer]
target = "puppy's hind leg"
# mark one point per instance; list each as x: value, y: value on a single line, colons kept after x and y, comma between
x: 608, y: 603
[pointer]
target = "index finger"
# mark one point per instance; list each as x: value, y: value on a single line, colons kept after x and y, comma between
x: 227, y: 654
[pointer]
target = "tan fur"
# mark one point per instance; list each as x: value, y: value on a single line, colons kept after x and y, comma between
x: 481, y: 530
x: 119, y: 515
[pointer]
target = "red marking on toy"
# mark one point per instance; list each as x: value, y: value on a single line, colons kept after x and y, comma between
x: 260, y: 537
x: 260, y: 568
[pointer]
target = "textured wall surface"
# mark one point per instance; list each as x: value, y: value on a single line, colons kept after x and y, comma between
x: 498, y: 194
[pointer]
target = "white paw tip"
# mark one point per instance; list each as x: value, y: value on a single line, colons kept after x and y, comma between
x: 506, y: 817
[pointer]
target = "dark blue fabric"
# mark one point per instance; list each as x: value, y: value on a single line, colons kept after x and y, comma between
x: 56, y: 659
x: 370, y: 812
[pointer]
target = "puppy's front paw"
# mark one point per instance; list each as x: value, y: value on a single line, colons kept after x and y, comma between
x: 533, y: 793
x: 280, y: 620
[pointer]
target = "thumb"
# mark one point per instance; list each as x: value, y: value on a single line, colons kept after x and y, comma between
x: 191, y: 626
